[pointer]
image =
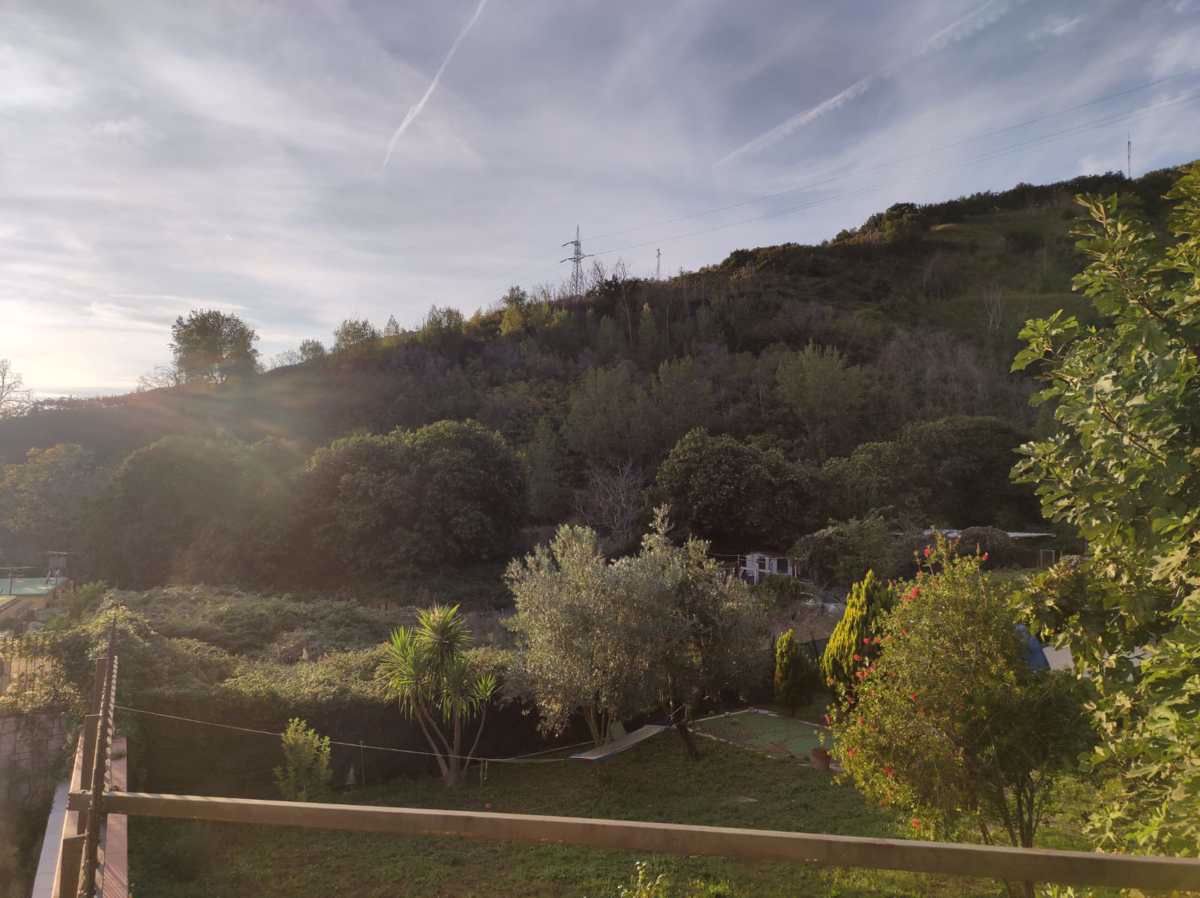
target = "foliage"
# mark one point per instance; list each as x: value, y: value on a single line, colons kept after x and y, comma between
x: 826, y: 393
x: 730, y: 491
x: 853, y: 640
x: 45, y: 500
x: 211, y: 346
x: 354, y: 333
x: 844, y: 551
x: 305, y: 774
x: 1122, y: 470
x: 546, y: 473
x: 797, y: 677
x: 643, y: 885
x: 428, y: 671
x: 660, y: 629
x: 200, y: 509
x: 448, y: 492
x: 950, y: 722
x: 311, y: 350
x: 14, y: 398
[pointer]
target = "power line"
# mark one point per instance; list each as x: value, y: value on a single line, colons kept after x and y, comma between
x: 515, y: 759
x: 842, y: 174
x: 1076, y: 129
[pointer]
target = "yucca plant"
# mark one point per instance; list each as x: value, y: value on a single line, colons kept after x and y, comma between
x: 429, y: 673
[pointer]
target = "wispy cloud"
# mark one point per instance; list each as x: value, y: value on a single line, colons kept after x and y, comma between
x: 973, y: 22
x: 1055, y: 26
x: 420, y: 104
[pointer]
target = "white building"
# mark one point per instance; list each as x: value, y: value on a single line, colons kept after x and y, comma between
x: 755, y: 566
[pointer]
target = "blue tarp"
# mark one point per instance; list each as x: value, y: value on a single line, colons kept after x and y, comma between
x: 1035, y: 656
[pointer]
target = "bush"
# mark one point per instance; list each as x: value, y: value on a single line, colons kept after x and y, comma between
x: 1001, y: 549
x: 782, y: 590
x: 305, y: 774
x: 845, y: 550
x: 796, y: 674
x: 951, y: 722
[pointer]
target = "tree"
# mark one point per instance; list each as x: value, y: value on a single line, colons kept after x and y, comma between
x: 659, y: 630
x: 549, y: 498
x: 14, y: 398
x: 46, y: 500
x: 827, y: 395
x: 613, y: 500
x: 285, y: 359
x: 796, y: 676
x: 430, y: 673
x: 844, y: 551
x: 1122, y: 470
x: 311, y: 350
x: 353, y: 333
x: 727, y: 490
x: 951, y: 721
x: 448, y: 492
x: 305, y: 774
x: 211, y: 346
x: 162, y: 377
x: 853, y: 639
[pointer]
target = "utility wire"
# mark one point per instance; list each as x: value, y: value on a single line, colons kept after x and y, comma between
x: 516, y: 759
x: 1076, y: 129
x: 842, y: 174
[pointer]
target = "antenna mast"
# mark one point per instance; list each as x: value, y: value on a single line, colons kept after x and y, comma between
x: 576, y: 257
x: 1129, y: 156
x: 658, y: 265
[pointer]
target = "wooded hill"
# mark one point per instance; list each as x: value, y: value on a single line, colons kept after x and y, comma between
x: 869, y: 372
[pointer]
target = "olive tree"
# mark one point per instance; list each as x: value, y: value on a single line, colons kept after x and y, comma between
x: 659, y: 630
x: 430, y: 673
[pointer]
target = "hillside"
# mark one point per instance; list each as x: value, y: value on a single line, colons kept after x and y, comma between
x: 820, y: 374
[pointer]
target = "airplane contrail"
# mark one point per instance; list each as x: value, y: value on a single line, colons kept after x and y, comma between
x: 979, y: 18
x: 413, y: 112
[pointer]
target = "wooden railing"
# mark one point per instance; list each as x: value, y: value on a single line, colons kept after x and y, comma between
x: 87, y: 807
x: 1036, y: 865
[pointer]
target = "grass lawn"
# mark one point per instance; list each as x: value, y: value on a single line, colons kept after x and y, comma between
x: 774, y: 734
x: 655, y: 781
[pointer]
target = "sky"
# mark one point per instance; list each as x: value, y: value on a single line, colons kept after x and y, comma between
x: 301, y: 163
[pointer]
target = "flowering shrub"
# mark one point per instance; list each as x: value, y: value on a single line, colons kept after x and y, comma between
x: 949, y: 721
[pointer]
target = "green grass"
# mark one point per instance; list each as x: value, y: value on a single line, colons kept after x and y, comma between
x: 770, y: 733
x: 727, y: 786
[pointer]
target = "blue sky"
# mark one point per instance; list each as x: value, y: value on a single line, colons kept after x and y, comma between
x: 156, y: 157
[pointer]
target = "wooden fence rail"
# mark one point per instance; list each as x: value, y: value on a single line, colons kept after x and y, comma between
x: 1014, y: 864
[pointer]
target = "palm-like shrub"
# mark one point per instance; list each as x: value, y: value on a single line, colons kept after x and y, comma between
x: 428, y: 671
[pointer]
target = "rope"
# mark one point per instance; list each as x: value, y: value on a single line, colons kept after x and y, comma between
x: 516, y: 759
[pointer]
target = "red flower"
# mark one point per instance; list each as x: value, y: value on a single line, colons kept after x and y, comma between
x: 858, y: 657
x: 985, y: 556
x: 866, y: 640
x: 889, y: 771
x: 851, y: 752
x: 916, y: 824
x: 928, y: 551
x: 913, y: 696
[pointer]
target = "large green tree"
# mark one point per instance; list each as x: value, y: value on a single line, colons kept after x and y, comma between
x: 446, y: 493
x: 213, y: 346
x: 727, y: 490
x: 1122, y: 469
